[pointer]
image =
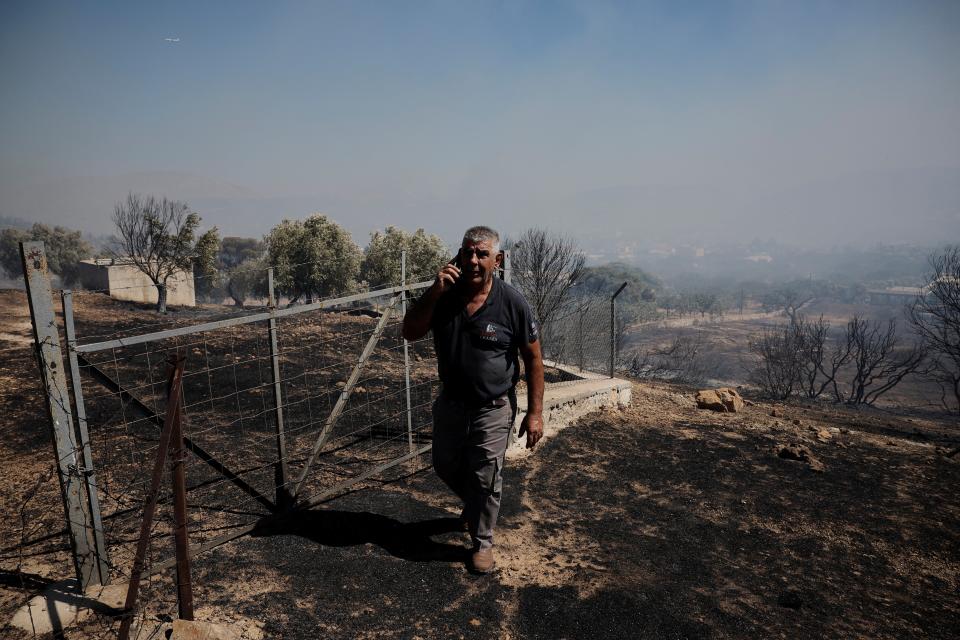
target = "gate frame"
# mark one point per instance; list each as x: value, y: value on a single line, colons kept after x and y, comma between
x: 72, y: 443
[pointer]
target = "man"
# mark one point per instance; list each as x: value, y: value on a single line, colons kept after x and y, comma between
x: 480, y: 324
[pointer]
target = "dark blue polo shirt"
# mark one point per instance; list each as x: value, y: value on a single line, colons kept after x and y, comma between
x: 477, y: 356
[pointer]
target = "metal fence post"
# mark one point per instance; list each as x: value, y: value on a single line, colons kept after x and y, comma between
x: 613, y: 328
x: 36, y: 275
x: 181, y: 539
x: 583, y: 310
x: 280, y: 473
x: 507, y: 268
x: 89, y: 477
x: 406, y: 349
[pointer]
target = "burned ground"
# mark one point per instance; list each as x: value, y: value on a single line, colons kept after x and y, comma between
x: 657, y: 520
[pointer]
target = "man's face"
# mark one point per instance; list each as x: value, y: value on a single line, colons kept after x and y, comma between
x: 478, y: 261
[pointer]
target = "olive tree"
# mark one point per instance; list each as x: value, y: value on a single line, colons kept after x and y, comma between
x: 65, y: 248
x: 207, y: 280
x: 157, y: 237
x: 243, y: 263
x: 426, y: 253
x: 313, y: 258
x: 789, y: 298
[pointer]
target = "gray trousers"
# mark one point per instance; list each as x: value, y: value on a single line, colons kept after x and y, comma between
x: 468, y: 451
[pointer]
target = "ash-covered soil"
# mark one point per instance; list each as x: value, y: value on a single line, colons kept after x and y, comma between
x: 654, y: 521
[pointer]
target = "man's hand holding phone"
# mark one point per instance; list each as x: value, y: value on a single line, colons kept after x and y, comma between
x: 448, y: 276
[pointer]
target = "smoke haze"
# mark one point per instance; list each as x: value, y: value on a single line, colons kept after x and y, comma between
x: 806, y: 123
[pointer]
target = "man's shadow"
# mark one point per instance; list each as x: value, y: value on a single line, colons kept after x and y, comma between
x: 407, y: 540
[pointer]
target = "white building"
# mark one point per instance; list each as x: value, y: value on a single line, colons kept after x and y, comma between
x: 124, y: 281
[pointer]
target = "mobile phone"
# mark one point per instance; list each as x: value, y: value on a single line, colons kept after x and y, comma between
x: 455, y: 261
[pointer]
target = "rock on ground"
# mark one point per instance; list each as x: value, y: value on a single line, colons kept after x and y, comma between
x: 724, y: 399
x: 195, y: 630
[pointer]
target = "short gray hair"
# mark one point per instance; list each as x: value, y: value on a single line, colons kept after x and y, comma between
x: 481, y: 233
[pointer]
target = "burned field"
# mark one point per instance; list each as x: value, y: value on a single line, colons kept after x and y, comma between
x: 657, y: 520
x: 230, y: 418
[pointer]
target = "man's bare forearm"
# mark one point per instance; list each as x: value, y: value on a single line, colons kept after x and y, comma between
x: 416, y: 323
x: 533, y: 363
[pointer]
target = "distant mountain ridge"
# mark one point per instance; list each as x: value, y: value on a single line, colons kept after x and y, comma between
x: 919, y: 206
x: 916, y: 205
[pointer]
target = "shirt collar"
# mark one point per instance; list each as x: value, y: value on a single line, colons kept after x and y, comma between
x: 493, y: 297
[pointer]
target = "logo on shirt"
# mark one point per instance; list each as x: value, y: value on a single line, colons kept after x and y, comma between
x: 490, y: 333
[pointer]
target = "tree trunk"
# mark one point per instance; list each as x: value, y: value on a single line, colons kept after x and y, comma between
x: 238, y: 300
x: 162, y: 298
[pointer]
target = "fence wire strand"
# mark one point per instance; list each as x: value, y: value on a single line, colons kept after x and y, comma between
x: 230, y: 417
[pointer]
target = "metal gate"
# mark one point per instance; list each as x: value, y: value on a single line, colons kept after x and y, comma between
x: 282, y: 407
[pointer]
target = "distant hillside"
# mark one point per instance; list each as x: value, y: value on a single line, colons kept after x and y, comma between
x: 917, y: 206
x: 607, y: 278
x: 878, y: 265
x: 10, y: 222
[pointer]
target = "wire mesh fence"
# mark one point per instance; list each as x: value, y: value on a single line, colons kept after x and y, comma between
x: 578, y: 336
x: 282, y: 404
x: 279, y: 402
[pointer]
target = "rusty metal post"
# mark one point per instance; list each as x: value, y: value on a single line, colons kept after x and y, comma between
x: 150, y: 505
x: 406, y: 350
x: 70, y: 466
x: 283, y: 497
x: 90, y: 479
x: 181, y: 538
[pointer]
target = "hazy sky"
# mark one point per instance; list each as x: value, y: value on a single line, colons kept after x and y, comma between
x: 677, y: 121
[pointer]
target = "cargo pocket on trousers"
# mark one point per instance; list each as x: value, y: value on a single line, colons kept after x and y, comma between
x: 496, y: 481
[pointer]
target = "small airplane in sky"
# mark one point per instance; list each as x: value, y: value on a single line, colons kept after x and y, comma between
x: 172, y: 39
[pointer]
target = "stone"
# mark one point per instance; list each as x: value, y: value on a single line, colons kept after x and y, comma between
x: 794, y: 452
x: 61, y: 606
x: 196, y: 630
x: 725, y: 400
x: 799, y: 453
x: 776, y: 412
